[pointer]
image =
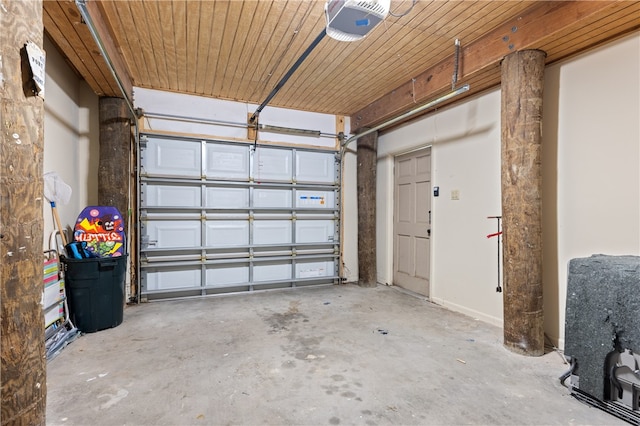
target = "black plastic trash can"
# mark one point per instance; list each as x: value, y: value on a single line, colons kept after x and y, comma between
x: 95, y: 291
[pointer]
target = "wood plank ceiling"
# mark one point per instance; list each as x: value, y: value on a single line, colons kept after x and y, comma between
x: 239, y: 50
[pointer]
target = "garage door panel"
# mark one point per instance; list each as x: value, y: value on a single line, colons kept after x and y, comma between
x: 316, y: 167
x: 172, y: 234
x: 172, y: 278
x: 227, y: 198
x: 272, y: 271
x: 315, y: 231
x: 273, y: 198
x: 225, y: 275
x: 227, y: 162
x: 227, y: 233
x: 169, y: 157
x: 273, y: 165
x: 271, y: 232
x: 315, y: 269
x: 315, y: 199
x: 167, y: 195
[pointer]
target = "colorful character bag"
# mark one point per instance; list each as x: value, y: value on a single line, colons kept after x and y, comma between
x: 102, y: 228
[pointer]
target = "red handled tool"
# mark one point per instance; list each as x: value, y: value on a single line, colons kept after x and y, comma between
x: 497, y: 234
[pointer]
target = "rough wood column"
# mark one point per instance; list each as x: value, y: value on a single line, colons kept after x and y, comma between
x: 23, y: 371
x: 115, y: 142
x: 522, y: 84
x: 367, y: 163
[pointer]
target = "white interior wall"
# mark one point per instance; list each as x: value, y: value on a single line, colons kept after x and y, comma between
x: 591, y: 132
x: 465, y: 143
x: 350, y: 212
x: 155, y: 102
x: 198, y: 107
x: 71, y: 138
x: 591, y: 181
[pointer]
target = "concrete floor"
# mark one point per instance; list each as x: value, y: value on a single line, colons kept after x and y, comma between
x: 318, y: 356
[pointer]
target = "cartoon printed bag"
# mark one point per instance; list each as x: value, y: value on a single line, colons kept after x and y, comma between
x: 102, y: 228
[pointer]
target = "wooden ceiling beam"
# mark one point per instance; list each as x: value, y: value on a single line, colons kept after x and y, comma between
x: 96, y: 13
x: 528, y: 30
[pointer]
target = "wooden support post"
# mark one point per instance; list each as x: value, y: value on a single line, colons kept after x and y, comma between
x: 522, y: 84
x: 252, y: 129
x: 23, y: 371
x: 115, y: 142
x: 367, y: 163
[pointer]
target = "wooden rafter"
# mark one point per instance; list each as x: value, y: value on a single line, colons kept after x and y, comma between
x: 538, y: 26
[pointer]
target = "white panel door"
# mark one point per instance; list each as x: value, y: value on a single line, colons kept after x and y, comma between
x: 412, y: 221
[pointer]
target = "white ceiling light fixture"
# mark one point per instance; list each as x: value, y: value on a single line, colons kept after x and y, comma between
x: 351, y: 20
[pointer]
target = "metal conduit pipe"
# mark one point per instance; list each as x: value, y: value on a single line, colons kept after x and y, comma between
x: 406, y: 115
x: 264, y: 127
x: 175, y: 117
x: 82, y: 7
x: 286, y: 77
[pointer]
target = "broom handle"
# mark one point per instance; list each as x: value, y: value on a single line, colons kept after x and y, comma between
x: 57, y: 219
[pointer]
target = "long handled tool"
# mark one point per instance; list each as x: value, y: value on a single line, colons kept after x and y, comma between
x: 55, y: 190
x: 497, y: 234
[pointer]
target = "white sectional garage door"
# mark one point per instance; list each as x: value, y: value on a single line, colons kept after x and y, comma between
x: 220, y: 217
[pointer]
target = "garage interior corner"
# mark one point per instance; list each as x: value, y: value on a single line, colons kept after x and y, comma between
x: 335, y: 354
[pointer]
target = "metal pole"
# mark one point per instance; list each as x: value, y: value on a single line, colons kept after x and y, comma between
x: 286, y: 77
x: 408, y: 114
x: 82, y: 7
